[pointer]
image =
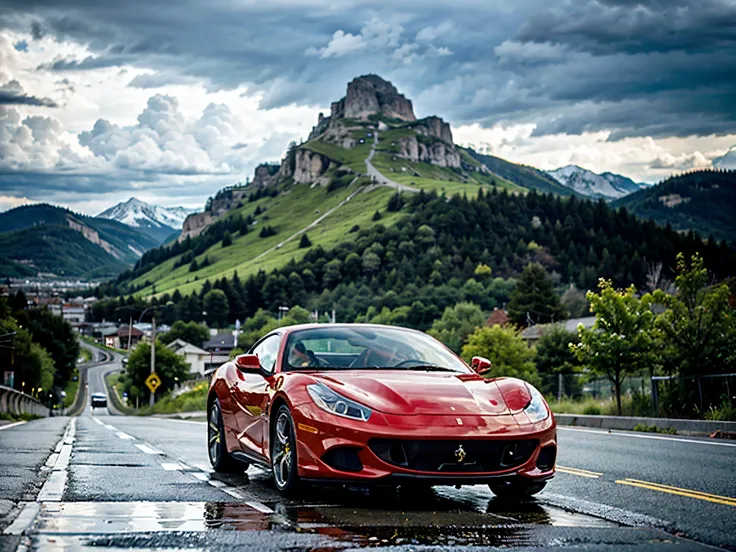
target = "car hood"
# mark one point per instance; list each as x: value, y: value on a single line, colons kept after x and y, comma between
x: 411, y: 392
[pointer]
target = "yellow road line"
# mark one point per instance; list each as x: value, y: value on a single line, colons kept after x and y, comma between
x: 577, y: 471
x: 728, y: 501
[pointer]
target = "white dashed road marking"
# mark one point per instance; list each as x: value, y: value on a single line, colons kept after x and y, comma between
x: 147, y: 449
x: 53, y: 489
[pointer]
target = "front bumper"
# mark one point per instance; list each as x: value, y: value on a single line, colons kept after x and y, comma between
x: 332, y: 448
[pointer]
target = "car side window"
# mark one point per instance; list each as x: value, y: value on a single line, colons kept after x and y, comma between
x: 267, y: 351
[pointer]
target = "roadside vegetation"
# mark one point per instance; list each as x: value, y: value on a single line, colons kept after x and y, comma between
x: 40, y: 349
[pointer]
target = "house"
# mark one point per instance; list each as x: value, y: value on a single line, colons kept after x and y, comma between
x: 126, y: 336
x: 221, y: 341
x: 498, y: 317
x: 533, y: 333
x: 198, y: 359
x: 74, y: 314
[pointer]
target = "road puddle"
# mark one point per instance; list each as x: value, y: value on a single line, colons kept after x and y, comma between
x: 442, y: 517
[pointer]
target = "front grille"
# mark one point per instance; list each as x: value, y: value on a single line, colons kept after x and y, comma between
x: 343, y: 459
x: 454, y: 456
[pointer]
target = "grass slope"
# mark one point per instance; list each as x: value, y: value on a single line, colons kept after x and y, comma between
x: 287, y: 213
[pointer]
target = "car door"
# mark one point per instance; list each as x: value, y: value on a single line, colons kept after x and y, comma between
x: 252, y: 394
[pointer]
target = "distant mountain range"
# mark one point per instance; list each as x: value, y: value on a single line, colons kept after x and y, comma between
x: 523, y: 175
x: 44, y: 239
x: 608, y: 186
x: 155, y: 220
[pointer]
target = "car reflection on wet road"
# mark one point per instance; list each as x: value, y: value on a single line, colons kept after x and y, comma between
x: 145, y: 483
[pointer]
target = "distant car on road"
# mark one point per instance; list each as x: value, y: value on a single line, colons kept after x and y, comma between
x: 360, y: 403
x: 98, y: 400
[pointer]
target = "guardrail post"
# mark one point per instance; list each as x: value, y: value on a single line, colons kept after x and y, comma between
x: 655, y: 396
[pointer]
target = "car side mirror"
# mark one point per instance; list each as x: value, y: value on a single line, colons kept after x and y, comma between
x: 480, y: 365
x: 248, y: 363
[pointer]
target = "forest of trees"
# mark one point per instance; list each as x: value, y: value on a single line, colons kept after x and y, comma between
x: 428, y: 260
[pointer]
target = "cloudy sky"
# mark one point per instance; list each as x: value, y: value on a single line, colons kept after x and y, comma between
x: 169, y: 101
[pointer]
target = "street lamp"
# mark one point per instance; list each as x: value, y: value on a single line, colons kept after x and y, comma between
x: 282, y: 310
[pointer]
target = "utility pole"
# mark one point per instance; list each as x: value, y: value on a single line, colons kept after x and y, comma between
x: 153, y: 352
x: 130, y: 329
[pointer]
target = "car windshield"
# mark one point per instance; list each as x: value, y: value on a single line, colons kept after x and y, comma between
x: 367, y: 348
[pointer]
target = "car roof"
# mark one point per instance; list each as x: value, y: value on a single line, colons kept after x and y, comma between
x: 315, y: 325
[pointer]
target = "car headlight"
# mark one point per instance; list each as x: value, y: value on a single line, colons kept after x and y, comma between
x: 333, y: 402
x: 536, y: 409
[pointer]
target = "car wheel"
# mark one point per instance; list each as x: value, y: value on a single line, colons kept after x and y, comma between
x: 517, y: 489
x: 283, y: 453
x: 220, y: 459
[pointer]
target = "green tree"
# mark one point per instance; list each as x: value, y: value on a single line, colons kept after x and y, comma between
x: 456, y: 324
x: 217, y: 308
x: 376, y: 216
x: 621, y: 341
x: 554, y: 357
x: 698, y: 329
x: 227, y: 239
x: 305, y: 242
x: 506, y: 350
x: 169, y: 367
x: 191, y: 332
x: 482, y: 272
x: 56, y: 336
x: 535, y: 297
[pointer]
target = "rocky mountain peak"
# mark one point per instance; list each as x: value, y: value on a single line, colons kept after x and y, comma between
x: 371, y: 95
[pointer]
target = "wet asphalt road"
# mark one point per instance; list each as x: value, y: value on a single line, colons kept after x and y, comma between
x: 143, y: 483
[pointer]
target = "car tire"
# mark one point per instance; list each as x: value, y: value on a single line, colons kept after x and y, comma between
x: 517, y: 489
x: 220, y: 458
x: 284, y: 465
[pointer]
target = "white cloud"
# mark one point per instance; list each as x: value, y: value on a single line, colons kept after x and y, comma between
x: 375, y: 35
x: 342, y: 43
x: 515, y: 51
x: 430, y: 34
x: 11, y: 202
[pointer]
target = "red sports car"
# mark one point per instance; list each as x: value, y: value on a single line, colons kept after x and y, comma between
x: 355, y: 403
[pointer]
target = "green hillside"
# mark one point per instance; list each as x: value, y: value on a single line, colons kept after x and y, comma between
x: 522, y: 175
x: 55, y: 250
x: 291, y: 208
x: 48, y: 239
x: 703, y: 201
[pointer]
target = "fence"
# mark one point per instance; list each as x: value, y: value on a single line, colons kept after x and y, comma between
x: 708, y: 395
x: 15, y: 402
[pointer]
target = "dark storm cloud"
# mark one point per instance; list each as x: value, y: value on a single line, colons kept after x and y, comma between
x: 11, y: 93
x: 655, y: 67
x: 13, y: 98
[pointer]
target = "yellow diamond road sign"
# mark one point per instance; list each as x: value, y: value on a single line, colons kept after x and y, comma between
x: 153, y: 382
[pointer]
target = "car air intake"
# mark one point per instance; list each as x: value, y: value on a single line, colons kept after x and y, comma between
x: 454, y: 456
x: 343, y: 459
x: 547, y: 457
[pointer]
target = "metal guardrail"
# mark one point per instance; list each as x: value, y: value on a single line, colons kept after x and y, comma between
x: 15, y: 402
x: 629, y: 422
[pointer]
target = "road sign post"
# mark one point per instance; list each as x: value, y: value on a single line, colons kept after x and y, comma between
x: 153, y: 359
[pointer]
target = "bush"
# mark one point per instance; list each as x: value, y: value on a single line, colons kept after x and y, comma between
x: 592, y: 410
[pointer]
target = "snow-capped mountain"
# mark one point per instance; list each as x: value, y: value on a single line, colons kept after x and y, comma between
x: 607, y: 185
x: 154, y: 219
